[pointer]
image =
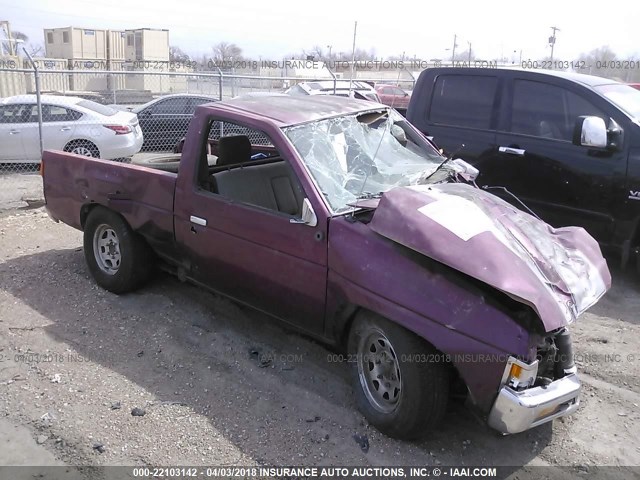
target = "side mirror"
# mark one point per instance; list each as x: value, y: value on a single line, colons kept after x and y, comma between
x: 590, y: 132
x: 464, y: 169
x: 308, y: 215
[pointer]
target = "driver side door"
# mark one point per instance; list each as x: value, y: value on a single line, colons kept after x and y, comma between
x: 250, y: 248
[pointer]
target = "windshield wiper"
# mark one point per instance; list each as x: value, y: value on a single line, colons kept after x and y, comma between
x: 448, y: 159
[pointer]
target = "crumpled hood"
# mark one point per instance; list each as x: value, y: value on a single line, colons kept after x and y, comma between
x: 560, y: 272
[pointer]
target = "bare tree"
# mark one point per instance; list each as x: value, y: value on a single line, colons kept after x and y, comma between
x: 34, y: 49
x: 598, y: 55
x: 176, y: 54
x: 604, y: 62
x: 11, y: 46
x: 224, y: 53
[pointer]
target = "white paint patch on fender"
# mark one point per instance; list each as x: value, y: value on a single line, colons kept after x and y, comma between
x: 460, y: 216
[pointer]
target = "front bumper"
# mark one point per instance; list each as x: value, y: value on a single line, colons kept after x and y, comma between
x: 517, y: 411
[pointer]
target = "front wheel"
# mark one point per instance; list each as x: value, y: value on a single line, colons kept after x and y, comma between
x: 400, y: 387
x: 118, y: 258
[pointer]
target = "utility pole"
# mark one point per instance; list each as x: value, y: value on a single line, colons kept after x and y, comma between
x: 552, y: 39
x: 353, y: 56
x: 6, y: 28
x: 469, y: 62
x: 453, y: 51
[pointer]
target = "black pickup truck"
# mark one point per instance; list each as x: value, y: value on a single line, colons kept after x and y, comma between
x: 566, y: 144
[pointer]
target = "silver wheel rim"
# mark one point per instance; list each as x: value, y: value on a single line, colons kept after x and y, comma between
x: 79, y: 150
x: 379, y: 371
x: 106, y: 249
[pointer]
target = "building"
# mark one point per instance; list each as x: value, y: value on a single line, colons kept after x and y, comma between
x: 147, y: 45
x: 77, y: 44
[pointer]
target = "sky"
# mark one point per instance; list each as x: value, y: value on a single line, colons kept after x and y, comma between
x: 270, y: 29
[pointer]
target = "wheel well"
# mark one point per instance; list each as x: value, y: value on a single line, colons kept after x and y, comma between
x: 85, y: 211
x: 347, y: 317
x: 76, y: 141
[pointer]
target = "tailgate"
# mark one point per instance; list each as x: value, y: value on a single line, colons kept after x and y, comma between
x: 144, y: 196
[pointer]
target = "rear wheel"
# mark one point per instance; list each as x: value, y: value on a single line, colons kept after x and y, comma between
x: 83, y: 147
x: 401, y: 384
x: 118, y: 258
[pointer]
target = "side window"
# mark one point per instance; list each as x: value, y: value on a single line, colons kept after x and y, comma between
x: 170, y: 106
x: 227, y: 129
x: 579, y: 106
x: 18, y: 113
x: 248, y: 172
x: 463, y: 100
x: 55, y: 113
x: 398, y: 91
x: 194, y: 102
x: 547, y: 111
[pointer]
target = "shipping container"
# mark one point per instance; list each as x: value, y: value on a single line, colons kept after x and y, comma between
x: 115, y: 81
x: 73, y: 42
x: 147, y: 80
x: 84, y: 77
x: 117, y: 45
x: 147, y: 45
x: 11, y: 82
x: 49, y: 82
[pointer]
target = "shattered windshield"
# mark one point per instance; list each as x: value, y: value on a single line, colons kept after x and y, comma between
x: 361, y: 156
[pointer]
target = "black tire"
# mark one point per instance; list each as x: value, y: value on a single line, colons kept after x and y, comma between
x: 130, y: 257
x: 167, y: 162
x: 164, y: 162
x: 420, y: 400
x: 83, y: 147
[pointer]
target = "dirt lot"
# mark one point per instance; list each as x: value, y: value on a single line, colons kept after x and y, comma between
x: 76, y: 360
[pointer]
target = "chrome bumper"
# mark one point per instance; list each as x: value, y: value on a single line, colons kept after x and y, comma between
x: 517, y: 411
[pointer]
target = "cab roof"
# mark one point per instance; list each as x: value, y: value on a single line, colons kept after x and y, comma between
x: 286, y: 110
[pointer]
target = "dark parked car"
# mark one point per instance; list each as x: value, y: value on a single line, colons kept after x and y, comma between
x: 566, y: 144
x: 164, y: 121
x: 348, y: 225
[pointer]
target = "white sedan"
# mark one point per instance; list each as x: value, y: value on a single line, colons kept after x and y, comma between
x: 71, y: 124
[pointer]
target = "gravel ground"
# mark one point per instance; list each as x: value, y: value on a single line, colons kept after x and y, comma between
x: 76, y: 360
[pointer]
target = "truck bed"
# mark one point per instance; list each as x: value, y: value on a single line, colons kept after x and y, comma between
x: 73, y: 184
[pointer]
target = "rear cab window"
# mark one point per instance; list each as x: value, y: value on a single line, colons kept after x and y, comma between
x: 464, y: 101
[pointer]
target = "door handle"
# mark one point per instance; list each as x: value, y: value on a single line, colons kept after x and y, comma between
x: 198, y: 221
x: 65, y: 129
x: 512, y: 151
x: 14, y: 132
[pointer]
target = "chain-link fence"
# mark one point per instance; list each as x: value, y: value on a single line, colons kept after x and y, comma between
x: 116, y: 114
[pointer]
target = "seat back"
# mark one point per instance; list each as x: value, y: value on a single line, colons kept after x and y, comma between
x: 234, y: 150
x: 270, y: 185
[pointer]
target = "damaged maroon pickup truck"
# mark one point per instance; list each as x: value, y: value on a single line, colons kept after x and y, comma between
x: 339, y: 218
